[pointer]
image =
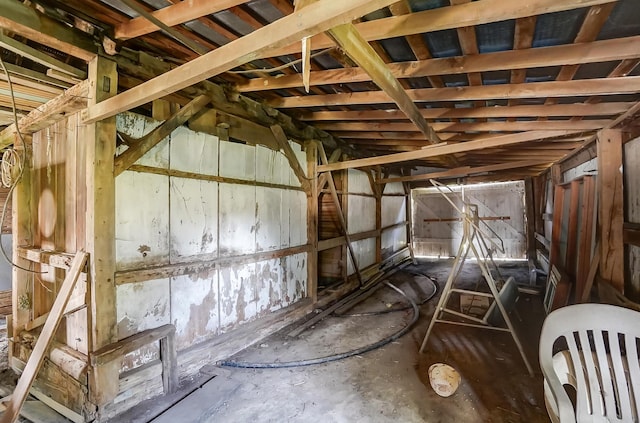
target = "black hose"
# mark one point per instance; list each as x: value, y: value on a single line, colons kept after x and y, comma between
x: 394, y: 310
x: 334, y: 357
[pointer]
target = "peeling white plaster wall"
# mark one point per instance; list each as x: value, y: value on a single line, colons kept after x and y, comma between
x: 163, y: 220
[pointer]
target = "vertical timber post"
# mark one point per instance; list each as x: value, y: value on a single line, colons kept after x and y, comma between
x: 611, y: 203
x: 312, y: 221
x: 100, y: 140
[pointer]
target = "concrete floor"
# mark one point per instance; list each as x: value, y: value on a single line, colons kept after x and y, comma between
x: 389, y: 384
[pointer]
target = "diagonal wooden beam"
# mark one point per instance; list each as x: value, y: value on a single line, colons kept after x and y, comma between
x: 311, y: 20
x: 146, y: 143
x: 581, y: 87
x: 465, y: 171
x: 348, y: 38
x: 581, y: 53
x: 452, y: 17
x: 443, y: 149
x: 179, y: 13
x: 283, y: 143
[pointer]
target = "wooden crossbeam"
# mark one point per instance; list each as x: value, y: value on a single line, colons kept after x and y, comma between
x: 18, y: 18
x: 348, y: 38
x: 464, y: 171
x: 176, y: 14
x: 146, y: 143
x: 582, y: 87
x: 468, y: 14
x: 37, y: 56
x: 556, y: 110
x: 443, y: 149
x: 44, y: 339
x: 71, y: 100
x: 552, y: 125
x: 311, y: 20
x: 590, y: 52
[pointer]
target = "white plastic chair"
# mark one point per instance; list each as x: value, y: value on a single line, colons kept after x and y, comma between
x: 600, y: 361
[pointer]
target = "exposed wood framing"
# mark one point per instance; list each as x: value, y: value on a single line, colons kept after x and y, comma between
x: 312, y: 221
x: 42, y: 344
x: 591, y: 52
x: 348, y: 38
x: 21, y: 19
x: 438, y: 150
x: 100, y: 228
x: 341, y: 214
x: 173, y: 15
x: 71, y: 100
x: 312, y: 19
x: 602, y: 86
x: 530, y: 216
x: 468, y: 14
x: 587, y: 235
x: 147, y: 142
x: 611, y: 213
x: 283, y: 143
x: 464, y: 171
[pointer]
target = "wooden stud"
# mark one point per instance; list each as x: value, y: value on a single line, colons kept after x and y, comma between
x: 611, y: 210
x: 312, y: 221
x: 555, y: 251
x: 573, y: 229
x: 529, y: 204
x: 587, y: 235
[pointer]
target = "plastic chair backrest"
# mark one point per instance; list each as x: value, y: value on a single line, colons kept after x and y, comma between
x: 603, y: 339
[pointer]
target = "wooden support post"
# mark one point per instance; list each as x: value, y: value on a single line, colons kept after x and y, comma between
x: 530, y: 214
x: 21, y: 215
x: 100, y: 139
x: 312, y: 221
x: 587, y: 235
x: 611, y: 210
x: 377, y: 191
x: 409, y: 214
x: 555, y: 253
x: 572, y: 228
x: 341, y: 215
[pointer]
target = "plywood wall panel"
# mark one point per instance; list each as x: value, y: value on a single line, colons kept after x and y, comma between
x: 142, y: 220
x: 393, y: 240
x: 193, y: 219
x: 194, y: 308
x: 394, y: 187
x: 237, y: 161
x: 237, y: 219
x: 297, y: 217
x: 362, y: 214
x: 194, y: 152
x: 358, y: 182
x: 393, y: 210
x: 294, y: 278
x: 142, y: 306
x: 238, y: 295
x: 365, y: 251
x: 268, y: 220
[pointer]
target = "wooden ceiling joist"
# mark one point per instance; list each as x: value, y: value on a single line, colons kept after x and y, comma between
x: 347, y: 38
x: 556, y: 110
x: 452, y: 17
x: 463, y: 171
x: 592, y: 52
x: 315, y: 18
x: 445, y: 148
x: 21, y: 19
x: 582, y: 87
x: 176, y: 14
x: 549, y: 125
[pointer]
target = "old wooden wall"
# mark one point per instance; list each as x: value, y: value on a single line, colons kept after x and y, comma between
x: 437, y: 232
x: 632, y: 210
x: 236, y: 211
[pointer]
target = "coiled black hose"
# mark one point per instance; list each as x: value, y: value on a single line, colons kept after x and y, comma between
x: 334, y: 357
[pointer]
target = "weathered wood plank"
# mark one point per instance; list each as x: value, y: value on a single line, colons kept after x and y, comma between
x: 48, y: 331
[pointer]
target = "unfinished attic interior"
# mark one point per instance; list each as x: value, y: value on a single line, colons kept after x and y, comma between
x: 278, y: 210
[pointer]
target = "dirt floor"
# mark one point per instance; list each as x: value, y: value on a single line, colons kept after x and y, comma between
x: 389, y: 384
